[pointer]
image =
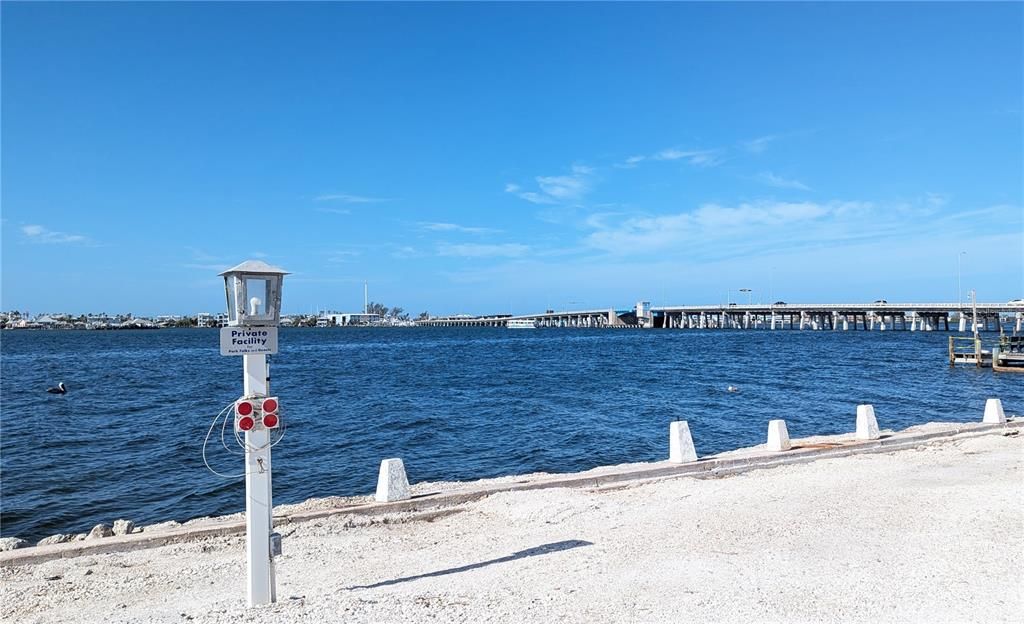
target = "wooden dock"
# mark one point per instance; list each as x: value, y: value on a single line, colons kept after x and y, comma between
x: 1004, y: 355
x: 1008, y: 357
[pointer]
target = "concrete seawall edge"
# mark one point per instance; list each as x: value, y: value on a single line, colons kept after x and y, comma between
x: 731, y: 463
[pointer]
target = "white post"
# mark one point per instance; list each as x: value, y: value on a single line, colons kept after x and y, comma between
x: 258, y: 502
x: 680, y: 443
x: 994, y: 414
x: 867, y: 426
x: 392, y: 484
x: 778, y: 436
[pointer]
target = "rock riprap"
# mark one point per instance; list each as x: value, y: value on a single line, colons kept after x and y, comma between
x: 123, y: 527
x: 11, y: 543
x: 100, y: 530
x: 59, y: 538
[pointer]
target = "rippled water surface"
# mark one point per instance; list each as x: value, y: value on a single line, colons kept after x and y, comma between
x: 453, y: 403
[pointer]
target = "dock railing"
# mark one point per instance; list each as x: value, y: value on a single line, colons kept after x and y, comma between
x: 965, y: 349
x: 1011, y: 344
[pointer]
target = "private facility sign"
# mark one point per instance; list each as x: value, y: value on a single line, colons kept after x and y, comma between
x: 248, y: 340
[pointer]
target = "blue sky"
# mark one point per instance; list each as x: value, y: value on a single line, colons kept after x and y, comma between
x: 495, y: 158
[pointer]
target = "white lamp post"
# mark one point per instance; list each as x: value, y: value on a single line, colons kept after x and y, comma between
x: 253, y: 291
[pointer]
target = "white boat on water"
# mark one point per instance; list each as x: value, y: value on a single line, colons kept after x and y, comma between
x: 521, y: 324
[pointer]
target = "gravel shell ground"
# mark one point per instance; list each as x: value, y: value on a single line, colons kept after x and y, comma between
x: 933, y: 534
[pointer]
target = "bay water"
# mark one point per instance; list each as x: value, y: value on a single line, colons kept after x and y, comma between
x: 454, y: 403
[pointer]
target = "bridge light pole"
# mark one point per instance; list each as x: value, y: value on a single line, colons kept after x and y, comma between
x: 959, y: 289
x: 748, y: 291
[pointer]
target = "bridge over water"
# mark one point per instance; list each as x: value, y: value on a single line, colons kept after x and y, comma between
x: 821, y: 316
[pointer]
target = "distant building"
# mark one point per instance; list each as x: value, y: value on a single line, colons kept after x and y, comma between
x: 205, y: 319
x: 167, y: 320
x: 48, y: 322
x: 328, y: 319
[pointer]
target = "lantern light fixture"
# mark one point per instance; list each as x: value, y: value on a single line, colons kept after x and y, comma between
x: 253, y: 291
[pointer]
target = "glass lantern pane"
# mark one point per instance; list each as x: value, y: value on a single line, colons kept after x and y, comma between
x: 229, y: 286
x: 257, y: 297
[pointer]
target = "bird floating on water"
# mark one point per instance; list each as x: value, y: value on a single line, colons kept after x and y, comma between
x: 732, y: 389
x: 60, y: 389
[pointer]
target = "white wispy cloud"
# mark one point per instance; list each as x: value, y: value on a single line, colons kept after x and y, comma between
x: 454, y: 227
x: 672, y: 154
x: 760, y: 144
x: 769, y: 178
x: 630, y: 163
x: 341, y: 211
x: 200, y: 255
x: 936, y: 200
x: 204, y: 261
x: 563, y: 187
x: 707, y: 159
x: 342, y: 256
x: 536, y: 198
x: 350, y: 199
x: 691, y: 255
x: 469, y: 250
x: 710, y: 224
x: 557, y: 189
x: 695, y: 157
x: 405, y: 252
x: 530, y: 196
x: 40, y: 234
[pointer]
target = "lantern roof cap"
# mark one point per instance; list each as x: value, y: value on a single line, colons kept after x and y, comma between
x: 256, y: 266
